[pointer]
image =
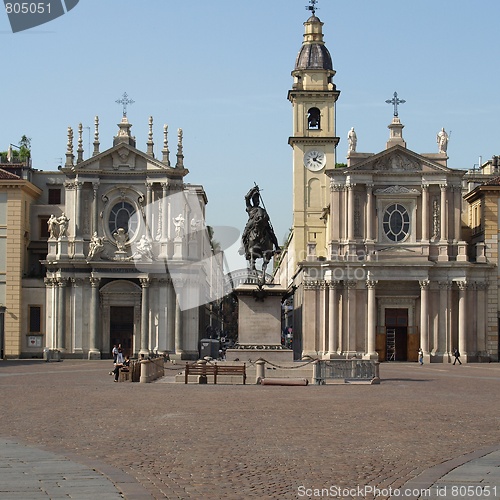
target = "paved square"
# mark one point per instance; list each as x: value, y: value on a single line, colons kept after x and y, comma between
x: 203, y: 441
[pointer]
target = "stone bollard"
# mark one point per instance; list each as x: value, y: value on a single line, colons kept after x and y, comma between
x: 316, y: 374
x: 260, y: 366
x: 202, y: 379
x: 376, y: 378
x: 145, y: 371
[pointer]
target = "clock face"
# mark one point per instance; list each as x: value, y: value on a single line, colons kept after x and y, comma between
x: 314, y: 160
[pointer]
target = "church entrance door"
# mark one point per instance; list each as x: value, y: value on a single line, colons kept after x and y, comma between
x: 121, y: 328
x: 396, y: 327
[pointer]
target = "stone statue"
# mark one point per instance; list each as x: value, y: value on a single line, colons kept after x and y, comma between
x: 52, y: 225
x: 120, y: 237
x: 442, y: 140
x: 63, y: 222
x: 144, y: 249
x: 179, y: 225
x: 96, y: 246
x: 259, y: 240
x: 352, y: 139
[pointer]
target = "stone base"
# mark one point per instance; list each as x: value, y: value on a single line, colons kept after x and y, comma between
x: 94, y: 355
x: 276, y: 356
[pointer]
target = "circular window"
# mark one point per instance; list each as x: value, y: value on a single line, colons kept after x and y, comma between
x: 396, y: 222
x: 123, y: 215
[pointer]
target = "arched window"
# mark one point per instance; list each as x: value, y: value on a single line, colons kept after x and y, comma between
x: 313, y: 119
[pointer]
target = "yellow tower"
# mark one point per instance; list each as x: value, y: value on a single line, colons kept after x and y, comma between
x: 313, y: 98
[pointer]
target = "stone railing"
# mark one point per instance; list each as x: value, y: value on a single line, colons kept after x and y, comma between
x: 359, y: 370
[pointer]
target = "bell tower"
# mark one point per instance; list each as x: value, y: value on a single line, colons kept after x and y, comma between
x: 313, y: 98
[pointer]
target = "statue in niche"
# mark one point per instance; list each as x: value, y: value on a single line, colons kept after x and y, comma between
x: 144, y: 249
x: 52, y: 226
x: 179, y: 225
x: 96, y: 246
x: 63, y: 222
x: 120, y: 237
x: 259, y: 240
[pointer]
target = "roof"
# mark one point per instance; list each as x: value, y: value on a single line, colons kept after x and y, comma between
x: 314, y: 56
x: 8, y: 176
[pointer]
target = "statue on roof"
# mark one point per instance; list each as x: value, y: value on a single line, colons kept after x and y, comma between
x: 352, y: 140
x: 442, y: 139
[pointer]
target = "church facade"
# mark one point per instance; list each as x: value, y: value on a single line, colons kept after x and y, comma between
x: 377, y: 261
x: 117, y: 253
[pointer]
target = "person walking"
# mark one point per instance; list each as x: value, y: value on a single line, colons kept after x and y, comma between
x: 456, y: 353
x: 119, y: 364
x: 421, y: 356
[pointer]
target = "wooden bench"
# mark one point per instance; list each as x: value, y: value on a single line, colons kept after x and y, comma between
x: 204, y: 369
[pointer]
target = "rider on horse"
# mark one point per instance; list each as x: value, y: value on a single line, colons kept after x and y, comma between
x: 259, y: 240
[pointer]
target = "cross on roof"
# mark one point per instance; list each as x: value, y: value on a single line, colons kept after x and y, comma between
x: 395, y: 101
x: 125, y: 101
x: 312, y: 7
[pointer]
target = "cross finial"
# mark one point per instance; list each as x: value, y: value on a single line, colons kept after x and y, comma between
x: 395, y: 101
x: 124, y: 101
x: 312, y: 7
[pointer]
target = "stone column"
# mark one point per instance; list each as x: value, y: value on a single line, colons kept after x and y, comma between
x: 457, y: 213
x: 443, y: 325
x: 351, y: 340
x: 78, y: 209
x: 462, y: 319
x: 482, y: 309
x: 323, y: 343
x: 333, y: 318
x: 178, y: 329
x: 336, y: 210
x: 424, y: 316
x: 369, y: 216
x: 144, y: 316
x: 95, y: 208
x: 94, y: 352
x: 61, y: 314
x: 372, y: 319
x: 51, y: 300
x: 425, y: 212
x: 444, y: 213
x: 149, y: 201
x: 171, y: 317
x: 166, y: 215
x: 350, y: 212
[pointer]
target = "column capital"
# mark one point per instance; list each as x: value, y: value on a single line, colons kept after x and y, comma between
x: 425, y: 186
x: 336, y: 187
x: 443, y: 186
x: 462, y: 285
x: 94, y: 281
x: 145, y: 282
x: 335, y: 284
x: 350, y: 284
x: 371, y: 284
x: 445, y: 285
x: 62, y: 282
x: 424, y: 284
x: 50, y: 282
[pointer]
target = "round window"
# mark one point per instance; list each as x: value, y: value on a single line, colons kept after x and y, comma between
x: 123, y: 215
x: 396, y: 222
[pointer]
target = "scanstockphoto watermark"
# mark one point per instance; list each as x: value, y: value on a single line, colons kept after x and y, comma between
x: 26, y: 15
x: 366, y: 491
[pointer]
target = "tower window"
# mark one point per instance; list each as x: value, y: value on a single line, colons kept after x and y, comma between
x: 313, y: 119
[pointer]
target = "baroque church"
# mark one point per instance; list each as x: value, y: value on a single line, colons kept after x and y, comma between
x: 378, y: 261
x: 115, y: 251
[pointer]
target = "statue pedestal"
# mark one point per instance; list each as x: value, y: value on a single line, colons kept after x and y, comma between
x: 259, y: 325
x: 52, y: 253
x: 178, y: 244
x: 62, y: 248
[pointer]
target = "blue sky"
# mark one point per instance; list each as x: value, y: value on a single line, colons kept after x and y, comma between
x: 220, y: 70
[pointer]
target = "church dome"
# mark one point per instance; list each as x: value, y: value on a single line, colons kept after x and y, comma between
x: 314, y: 56
x: 313, y: 53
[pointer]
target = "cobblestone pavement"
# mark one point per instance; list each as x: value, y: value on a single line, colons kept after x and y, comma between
x: 166, y: 440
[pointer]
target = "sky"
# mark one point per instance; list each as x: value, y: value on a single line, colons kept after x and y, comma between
x: 220, y: 70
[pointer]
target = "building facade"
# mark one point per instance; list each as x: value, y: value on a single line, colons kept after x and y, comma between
x: 113, y: 251
x: 377, y: 260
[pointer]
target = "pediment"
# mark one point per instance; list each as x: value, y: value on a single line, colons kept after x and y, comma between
x: 398, y: 160
x: 121, y: 159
